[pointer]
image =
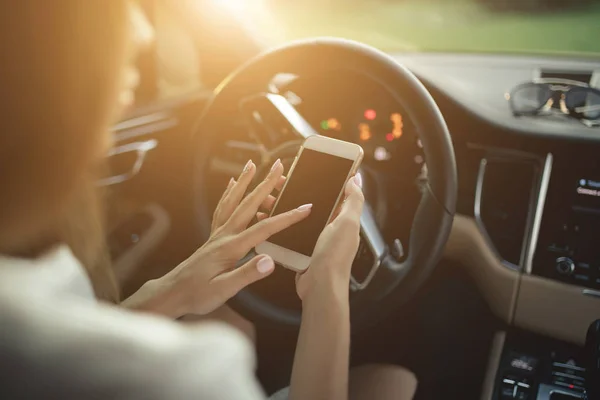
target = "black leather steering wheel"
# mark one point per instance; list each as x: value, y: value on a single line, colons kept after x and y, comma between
x: 393, y: 282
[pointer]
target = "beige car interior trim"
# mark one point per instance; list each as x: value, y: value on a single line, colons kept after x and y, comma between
x: 555, y: 309
x: 498, y: 284
x: 493, y: 363
x: 537, y: 304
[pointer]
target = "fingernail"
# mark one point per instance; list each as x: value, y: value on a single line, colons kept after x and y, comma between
x: 276, y: 164
x: 247, y: 166
x: 358, y: 180
x: 265, y: 265
x: 305, y: 207
x: 231, y: 182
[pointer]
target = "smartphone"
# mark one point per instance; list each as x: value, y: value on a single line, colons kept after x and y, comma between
x: 318, y: 176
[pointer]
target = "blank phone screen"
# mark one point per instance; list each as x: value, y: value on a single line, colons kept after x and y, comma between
x: 318, y: 178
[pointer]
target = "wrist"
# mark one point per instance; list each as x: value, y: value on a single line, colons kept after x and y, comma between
x: 332, y: 293
x: 158, y: 296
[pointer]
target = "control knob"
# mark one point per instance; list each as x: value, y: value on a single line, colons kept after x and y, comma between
x: 565, y: 266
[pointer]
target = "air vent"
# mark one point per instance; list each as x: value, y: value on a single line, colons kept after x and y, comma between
x: 503, y: 202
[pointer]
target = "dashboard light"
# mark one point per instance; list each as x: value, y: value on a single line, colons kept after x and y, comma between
x: 370, y: 114
x: 364, y: 132
x: 324, y: 125
x: 389, y: 137
x: 396, y: 119
x: 381, y: 154
x: 334, y: 124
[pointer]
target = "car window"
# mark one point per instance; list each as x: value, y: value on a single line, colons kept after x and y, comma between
x: 531, y: 26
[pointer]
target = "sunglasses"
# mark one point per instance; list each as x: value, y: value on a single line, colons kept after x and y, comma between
x: 556, y: 96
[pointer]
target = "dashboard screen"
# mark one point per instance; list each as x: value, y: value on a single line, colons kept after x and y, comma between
x: 587, y: 195
x: 377, y: 132
x: 351, y: 107
x: 317, y: 179
x: 567, y: 248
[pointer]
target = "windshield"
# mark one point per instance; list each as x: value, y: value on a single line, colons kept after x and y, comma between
x: 522, y: 26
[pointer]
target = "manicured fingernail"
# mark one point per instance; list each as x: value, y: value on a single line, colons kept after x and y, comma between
x: 231, y: 182
x: 358, y: 180
x: 247, y: 166
x: 276, y: 164
x: 305, y: 207
x: 265, y: 265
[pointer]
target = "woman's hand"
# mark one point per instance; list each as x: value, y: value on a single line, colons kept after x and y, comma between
x: 209, y: 278
x: 329, y: 271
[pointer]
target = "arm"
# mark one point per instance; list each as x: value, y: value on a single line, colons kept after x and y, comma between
x: 322, y: 356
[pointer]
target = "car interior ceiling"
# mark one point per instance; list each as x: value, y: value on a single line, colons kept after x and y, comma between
x: 508, y: 306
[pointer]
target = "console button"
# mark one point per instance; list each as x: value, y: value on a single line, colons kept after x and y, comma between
x: 507, y: 392
x: 582, y: 277
x: 522, y: 394
x: 565, y: 266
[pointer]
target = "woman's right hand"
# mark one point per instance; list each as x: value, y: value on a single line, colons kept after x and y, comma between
x: 208, y: 278
x: 329, y: 271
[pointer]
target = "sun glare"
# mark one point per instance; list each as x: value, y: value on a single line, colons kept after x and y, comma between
x: 234, y: 5
x: 254, y: 15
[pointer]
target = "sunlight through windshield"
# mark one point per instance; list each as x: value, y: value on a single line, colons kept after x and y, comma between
x: 529, y: 26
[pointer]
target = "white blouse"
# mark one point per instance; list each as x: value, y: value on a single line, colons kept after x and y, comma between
x: 57, y: 342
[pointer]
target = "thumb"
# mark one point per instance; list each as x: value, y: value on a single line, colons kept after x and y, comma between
x: 254, y: 270
x: 355, y: 198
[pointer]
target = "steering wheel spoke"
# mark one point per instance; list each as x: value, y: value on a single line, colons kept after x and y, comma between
x: 234, y: 155
x: 274, y: 120
x: 371, y: 252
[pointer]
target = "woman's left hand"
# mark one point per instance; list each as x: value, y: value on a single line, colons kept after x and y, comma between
x: 209, y: 278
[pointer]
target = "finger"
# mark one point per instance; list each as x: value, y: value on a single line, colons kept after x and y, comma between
x: 347, y: 190
x: 233, y: 199
x: 263, y: 230
x: 261, y: 216
x: 355, y: 199
x: 256, y: 269
x: 230, y: 185
x: 217, y: 221
x: 247, y: 209
x: 268, y: 203
x: 281, y: 183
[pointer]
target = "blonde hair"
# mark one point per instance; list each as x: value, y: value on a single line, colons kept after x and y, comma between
x: 61, y: 70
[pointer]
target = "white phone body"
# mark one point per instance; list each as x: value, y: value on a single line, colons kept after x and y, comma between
x: 336, y: 148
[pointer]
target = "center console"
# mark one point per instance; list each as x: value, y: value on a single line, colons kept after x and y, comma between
x: 568, y: 247
x: 537, y: 368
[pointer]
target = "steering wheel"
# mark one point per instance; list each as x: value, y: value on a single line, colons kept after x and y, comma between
x: 390, y: 282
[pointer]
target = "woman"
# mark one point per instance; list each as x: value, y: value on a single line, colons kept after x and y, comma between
x: 66, y: 76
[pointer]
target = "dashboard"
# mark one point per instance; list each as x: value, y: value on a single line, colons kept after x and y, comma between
x: 528, y: 204
x: 528, y: 217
